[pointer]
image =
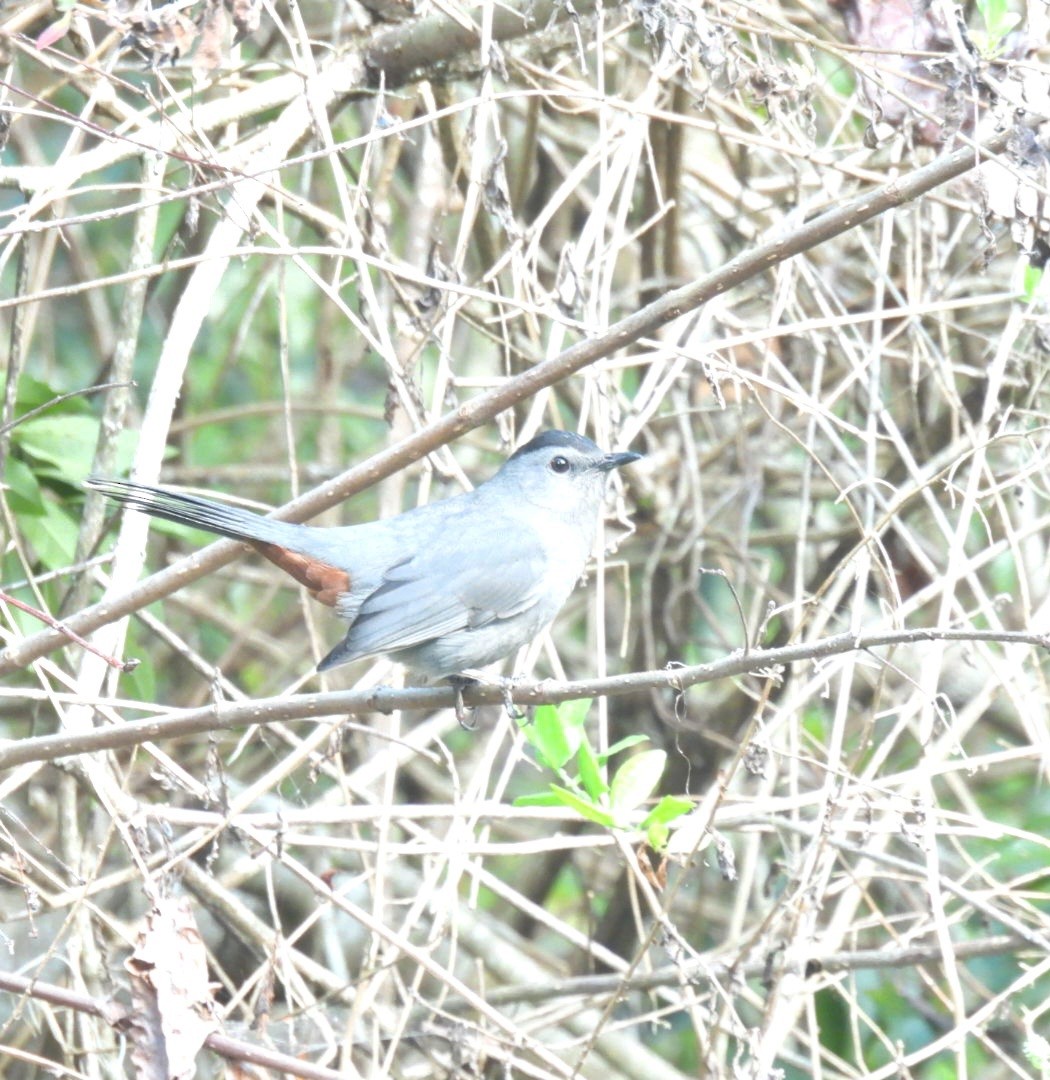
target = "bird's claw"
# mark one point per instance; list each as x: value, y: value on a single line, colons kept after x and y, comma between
x: 464, y: 715
x: 505, y: 686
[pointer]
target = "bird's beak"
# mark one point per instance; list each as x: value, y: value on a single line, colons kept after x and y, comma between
x: 615, y: 461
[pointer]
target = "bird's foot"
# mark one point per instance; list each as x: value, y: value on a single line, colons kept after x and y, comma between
x: 505, y: 684
x: 464, y: 716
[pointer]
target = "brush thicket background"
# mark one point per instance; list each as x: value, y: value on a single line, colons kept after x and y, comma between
x: 245, y: 266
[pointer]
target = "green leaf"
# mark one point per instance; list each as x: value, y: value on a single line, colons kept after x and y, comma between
x: 1033, y: 276
x: 623, y: 744
x: 52, y: 534
x: 998, y: 20
x: 59, y: 440
x: 33, y: 393
x: 657, y: 835
x: 551, y: 739
x: 667, y: 809
x: 636, y: 780
x: 23, y: 492
x: 583, y: 807
x: 63, y: 444
x: 592, y: 774
x: 540, y: 798
x: 556, y: 731
x: 574, y: 712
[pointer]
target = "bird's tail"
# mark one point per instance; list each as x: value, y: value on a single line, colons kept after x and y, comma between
x: 193, y: 510
x: 294, y: 548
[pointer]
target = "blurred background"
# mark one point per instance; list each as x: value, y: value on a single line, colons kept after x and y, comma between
x: 246, y: 246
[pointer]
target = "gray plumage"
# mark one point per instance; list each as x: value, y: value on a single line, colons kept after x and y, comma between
x: 442, y: 588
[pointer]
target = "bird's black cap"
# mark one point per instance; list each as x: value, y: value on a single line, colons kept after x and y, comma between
x: 548, y: 440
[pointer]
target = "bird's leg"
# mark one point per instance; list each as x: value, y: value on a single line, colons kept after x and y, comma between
x: 464, y: 716
x: 505, y: 685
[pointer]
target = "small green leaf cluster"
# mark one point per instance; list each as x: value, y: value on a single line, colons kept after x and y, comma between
x: 999, y: 20
x: 559, y: 737
x: 49, y: 450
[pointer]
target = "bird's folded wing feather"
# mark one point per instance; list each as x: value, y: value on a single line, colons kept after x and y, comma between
x: 421, y: 599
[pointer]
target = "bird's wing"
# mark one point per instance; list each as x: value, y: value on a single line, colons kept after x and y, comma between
x: 421, y: 599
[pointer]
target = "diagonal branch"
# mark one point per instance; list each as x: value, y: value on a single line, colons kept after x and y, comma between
x: 485, y: 406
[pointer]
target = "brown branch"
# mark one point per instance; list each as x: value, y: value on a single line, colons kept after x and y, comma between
x: 395, y: 55
x: 226, y: 716
x: 710, y: 970
x: 116, y: 1015
x: 61, y: 628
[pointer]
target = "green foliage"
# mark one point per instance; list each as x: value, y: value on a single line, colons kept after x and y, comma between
x: 833, y: 1018
x: 998, y: 21
x: 52, y: 439
x: 1033, y: 280
x: 557, y: 734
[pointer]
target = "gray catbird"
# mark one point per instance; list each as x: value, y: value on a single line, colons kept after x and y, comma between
x: 443, y: 588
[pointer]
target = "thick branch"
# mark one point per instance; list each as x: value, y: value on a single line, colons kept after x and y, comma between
x: 395, y: 55
x: 220, y: 717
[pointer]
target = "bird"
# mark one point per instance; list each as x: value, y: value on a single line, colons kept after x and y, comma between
x: 446, y: 588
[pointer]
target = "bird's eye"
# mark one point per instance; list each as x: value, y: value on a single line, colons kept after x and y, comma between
x: 560, y: 464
